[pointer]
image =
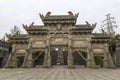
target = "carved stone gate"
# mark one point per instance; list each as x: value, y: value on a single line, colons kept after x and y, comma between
x: 60, y: 32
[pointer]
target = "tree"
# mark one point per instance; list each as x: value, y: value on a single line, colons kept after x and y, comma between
x: 15, y: 30
x: 112, y: 43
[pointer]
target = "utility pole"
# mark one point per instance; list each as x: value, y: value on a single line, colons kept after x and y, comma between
x: 109, y: 24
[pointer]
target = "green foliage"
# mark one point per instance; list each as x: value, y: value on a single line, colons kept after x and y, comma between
x: 35, y: 54
x: 20, y: 60
x: 10, y: 43
x: 112, y: 43
x: 15, y: 30
x: 98, y: 60
x: 114, y: 39
x: 84, y: 53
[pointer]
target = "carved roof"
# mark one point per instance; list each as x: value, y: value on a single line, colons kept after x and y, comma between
x: 21, y: 38
x: 100, y: 38
x: 36, y: 29
x: 82, y: 29
x: 55, y: 19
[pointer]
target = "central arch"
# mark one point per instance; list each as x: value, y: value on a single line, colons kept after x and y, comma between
x: 59, y: 56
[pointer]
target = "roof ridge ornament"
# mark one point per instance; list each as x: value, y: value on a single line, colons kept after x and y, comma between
x: 87, y: 23
x: 24, y: 26
x: 94, y: 25
x: 70, y: 13
x: 31, y: 24
x: 48, y: 14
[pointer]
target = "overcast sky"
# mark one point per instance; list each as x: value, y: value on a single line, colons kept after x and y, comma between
x: 18, y: 12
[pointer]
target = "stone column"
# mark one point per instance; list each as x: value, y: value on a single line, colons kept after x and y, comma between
x: 70, y: 59
x: 12, y: 60
x: 28, y: 60
x: 90, y: 57
x: 48, y: 58
x: 45, y: 59
x: 107, y: 61
x: 48, y: 52
x: 70, y: 56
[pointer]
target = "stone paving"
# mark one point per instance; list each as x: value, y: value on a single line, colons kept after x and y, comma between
x: 59, y: 73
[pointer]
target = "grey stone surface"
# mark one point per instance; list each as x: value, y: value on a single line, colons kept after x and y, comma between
x: 59, y: 73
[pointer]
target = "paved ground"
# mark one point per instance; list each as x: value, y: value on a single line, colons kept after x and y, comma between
x: 59, y: 73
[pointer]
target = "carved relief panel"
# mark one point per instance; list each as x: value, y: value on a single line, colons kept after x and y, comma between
x: 59, y: 41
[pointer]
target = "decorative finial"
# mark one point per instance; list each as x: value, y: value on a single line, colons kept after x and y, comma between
x: 76, y: 15
x: 70, y: 13
x: 31, y: 24
x: 94, y: 25
x: 48, y: 14
x: 88, y: 24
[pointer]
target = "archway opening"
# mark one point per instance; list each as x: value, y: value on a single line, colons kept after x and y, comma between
x: 20, y: 60
x: 38, y: 58
x: 80, y: 58
x: 99, y: 60
x: 1, y: 61
x: 59, y: 56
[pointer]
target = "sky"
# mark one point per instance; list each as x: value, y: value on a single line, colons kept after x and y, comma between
x: 18, y: 12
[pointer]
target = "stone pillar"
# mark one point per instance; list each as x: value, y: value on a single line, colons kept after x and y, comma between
x: 48, y: 58
x: 70, y: 56
x: 117, y: 56
x: 107, y: 61
x: 12, y: 61
x: 90, y: 57
x: 45, y: 59
x: 28, y: 60
x: 70, y: 59
x: 48, y: 52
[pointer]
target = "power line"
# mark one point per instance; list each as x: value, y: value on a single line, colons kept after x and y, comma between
x: 109, y: 24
